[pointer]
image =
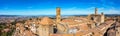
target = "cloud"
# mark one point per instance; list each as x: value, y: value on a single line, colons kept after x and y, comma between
x: 90, y: 10
x: 65, y: 11
x: 111, y: 10
x: 28, y: 12
x: 108, y: 3
x: 77, y: 11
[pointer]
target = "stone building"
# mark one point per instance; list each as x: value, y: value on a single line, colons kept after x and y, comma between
x: 117, y: 28
x: 44, y: 27
x: 97, y: 18
x: 58, y: 17
x: 19, y: 29
x: 66, y: 27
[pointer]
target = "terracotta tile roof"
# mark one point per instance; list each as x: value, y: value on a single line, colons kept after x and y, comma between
x: 28, y: 33
x: 61, y: 34
x: 55, y: 35
x: 69, y: 21
x: 18, y: 24
x: 46, y: 21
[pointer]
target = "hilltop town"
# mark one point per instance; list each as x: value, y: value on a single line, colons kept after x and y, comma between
x: 91, y: 25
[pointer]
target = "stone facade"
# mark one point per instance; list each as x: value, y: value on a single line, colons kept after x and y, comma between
x: 75, y: 26
x: 44, y: 26
x: 58, y: 17
x: 96, y: 11
x: 97, y: 18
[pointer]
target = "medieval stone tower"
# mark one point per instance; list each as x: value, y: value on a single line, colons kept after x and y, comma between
x: 98, y: 18
x: 96, y: 11
x: 102, y: 17
x: 58, y: 17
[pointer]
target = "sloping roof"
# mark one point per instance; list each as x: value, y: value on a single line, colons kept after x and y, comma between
x: 46, y: 21
x: 69, y: 21
x: 28, y: 33
x: 74, y: 21
x: 18, y: 24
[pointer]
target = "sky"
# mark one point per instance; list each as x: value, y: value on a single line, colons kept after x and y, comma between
x: 48, y: 7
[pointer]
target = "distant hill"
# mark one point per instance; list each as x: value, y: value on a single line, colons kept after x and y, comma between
x: 51, y: 15
x: 112, y: 14
x: 9, y: 15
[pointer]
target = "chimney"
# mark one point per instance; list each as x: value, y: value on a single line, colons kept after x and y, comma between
x: 58, y: 17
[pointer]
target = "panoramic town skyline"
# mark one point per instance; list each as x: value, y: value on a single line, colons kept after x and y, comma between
x: 68, y: 7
